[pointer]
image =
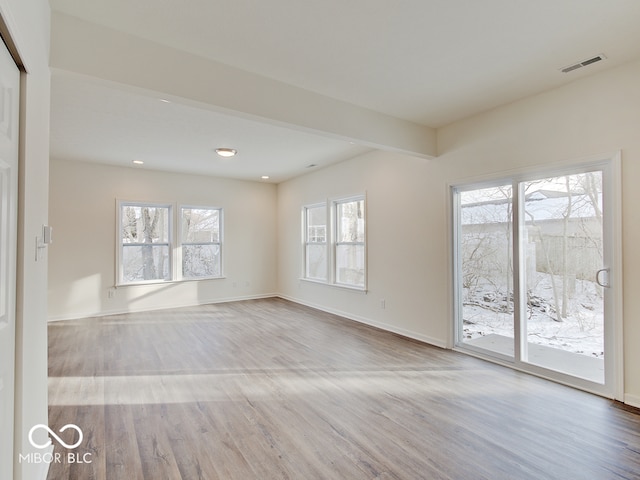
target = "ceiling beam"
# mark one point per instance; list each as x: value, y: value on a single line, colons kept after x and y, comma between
x: 90, y: 49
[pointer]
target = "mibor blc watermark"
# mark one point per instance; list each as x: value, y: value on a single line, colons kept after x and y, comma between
x: 57, y: 457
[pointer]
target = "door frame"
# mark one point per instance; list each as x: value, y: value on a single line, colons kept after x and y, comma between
x: 9, y: 36
x: 9, y: 231
x: 610, y: 164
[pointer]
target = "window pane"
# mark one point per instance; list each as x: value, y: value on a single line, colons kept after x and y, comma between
x: 317, y: 224
x: 201, y: 261
x: 200, y: 225
x: 145, y: 224
x: 485, y: 243
x: 145, y: 238
x: 563, y: 242
x: 316, y: 242
x: 350, y: 264
x: 350, y: 221
x: 316, y: 267
x: 201, y: 236
x: 145, y: 262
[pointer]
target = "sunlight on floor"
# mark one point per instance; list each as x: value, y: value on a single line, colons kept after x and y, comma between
x: 266, y: 385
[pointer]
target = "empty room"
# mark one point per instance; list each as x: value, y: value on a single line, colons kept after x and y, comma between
x: 341, y: 240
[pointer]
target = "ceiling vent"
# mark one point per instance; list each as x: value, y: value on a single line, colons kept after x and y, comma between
x: 583, y: 63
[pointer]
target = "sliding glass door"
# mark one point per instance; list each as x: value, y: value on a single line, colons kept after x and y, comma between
x: 533, y: 274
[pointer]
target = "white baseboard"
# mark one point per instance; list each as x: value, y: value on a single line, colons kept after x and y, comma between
x: 367, y: 321
x: 373, y: 323
x: 632, y: 400
x: 104, y: 313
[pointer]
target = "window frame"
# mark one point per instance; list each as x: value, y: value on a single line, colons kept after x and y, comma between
x: 335, y: 204
x: 306, y: 242
x: 121, y: 204
x: 174, y: 243
x: 180, y: 243
x: 610, y: 166
x: 332, y: 243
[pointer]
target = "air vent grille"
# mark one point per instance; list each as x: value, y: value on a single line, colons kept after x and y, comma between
x: 583, y: 63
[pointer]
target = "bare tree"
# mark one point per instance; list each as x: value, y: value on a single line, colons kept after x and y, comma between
x: 149, y: 225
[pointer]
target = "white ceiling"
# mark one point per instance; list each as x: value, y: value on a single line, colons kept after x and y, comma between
x: 95, y: 121
x: 430, y: 62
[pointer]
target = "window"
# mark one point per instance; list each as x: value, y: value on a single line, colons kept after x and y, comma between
x: 349, y: 242
x: 316, y: 242
x: 201, y: 242
x: 145, y: 243
x: 146, y: 246
x: 340, y: 225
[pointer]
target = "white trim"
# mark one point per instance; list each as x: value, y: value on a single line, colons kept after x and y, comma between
x: 104, y: 313
x: 178, y: 275
x: 331, y: 243
x: 453, y: 254
x: 372, y: 323
x: 342, y: 286
x: 306, y: 243
x: 615, y: 173
x: 16, y: 39
x: 633, y: 400
x: 170, y: 243
x: 610, y: 165
x: 43, y: 471
x: 540, y: 372
x: 334, y: 202
x: 555, y: 168
x: 165, y: 282
x: 521, y: 346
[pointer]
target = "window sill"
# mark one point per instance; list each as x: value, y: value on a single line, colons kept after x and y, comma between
x: 167, y: 282
x: 341, y: 286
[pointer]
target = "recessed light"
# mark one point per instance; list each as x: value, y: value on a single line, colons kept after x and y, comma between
x: 164, y: 100
x: 265, y: 177
x: 226, y: 152
x: 138, y: 162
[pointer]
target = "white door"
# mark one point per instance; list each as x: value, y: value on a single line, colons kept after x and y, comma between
x: 537, y: 280
x: 9, y: 103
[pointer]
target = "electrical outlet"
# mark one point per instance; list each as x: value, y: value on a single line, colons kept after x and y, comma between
x: 383, y: 304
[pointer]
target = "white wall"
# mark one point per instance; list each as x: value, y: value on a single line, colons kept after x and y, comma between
x: 406, y: 250
x: 407, y: 217
x: 593, y: 116
x: 407, y: 204
x: 82, y: 257
x: 28, y: 24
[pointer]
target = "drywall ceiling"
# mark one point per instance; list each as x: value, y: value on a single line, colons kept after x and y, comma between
x: 99, y: 122
x: 428, y: 62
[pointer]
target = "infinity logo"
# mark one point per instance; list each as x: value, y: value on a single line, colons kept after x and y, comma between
x: 52, y: 433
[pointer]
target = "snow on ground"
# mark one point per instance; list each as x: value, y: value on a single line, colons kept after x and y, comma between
x: 486, y: 311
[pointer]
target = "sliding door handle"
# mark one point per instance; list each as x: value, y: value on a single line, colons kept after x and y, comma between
x: 602, y: 278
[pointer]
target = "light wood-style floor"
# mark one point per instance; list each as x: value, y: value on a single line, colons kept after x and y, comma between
x: 268, y: 389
